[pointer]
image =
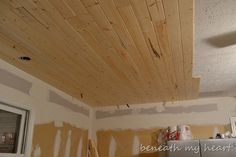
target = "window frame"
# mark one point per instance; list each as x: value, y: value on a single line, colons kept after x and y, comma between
x: 22, y: 110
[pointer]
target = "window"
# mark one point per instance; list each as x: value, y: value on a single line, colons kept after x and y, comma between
x: 13, y: 130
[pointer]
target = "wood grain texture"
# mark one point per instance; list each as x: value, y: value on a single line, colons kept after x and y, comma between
x: 113, y: 52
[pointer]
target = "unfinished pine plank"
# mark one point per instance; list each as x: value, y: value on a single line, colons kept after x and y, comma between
x: 75, y: 5
x: 85, y: 49
x: 158, y: 19
x: 63, y: 8
x: 115, y: 52
x: 11, y: 50
x: 91, y: 32
x: 171, y: 9
x: 156, y: 10
x: 142, y: 14
x: 128, y: 16
x: 121, y: 90
x: 63, y: 37
x: 108, y: 58
x: 120, y: 29
x: 14, y: 50
x: 63, y: 61
x: 104, y: 24
x: 187, y: 30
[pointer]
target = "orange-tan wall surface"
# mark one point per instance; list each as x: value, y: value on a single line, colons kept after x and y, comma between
x: 124, y: 139
x: 45, y: 138
x: 121, y: 130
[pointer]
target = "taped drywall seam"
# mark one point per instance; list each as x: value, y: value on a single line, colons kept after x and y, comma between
x: 68, y: 145
x: 14, y: 81
x: 59, y: 100
x: 136, y: 144
x: 57, y: 144
x: 112, y: 147
x: 37, y: 151
x: 58, y: 123
x: 100, y: 114
x: 80, y: 147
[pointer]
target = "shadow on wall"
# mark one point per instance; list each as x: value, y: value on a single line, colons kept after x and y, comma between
x: 222, y: 40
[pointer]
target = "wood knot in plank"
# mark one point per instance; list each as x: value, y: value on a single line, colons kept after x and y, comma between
x: 153, y: 49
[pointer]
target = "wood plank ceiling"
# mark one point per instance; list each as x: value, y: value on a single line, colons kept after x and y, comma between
x: 104, y: 52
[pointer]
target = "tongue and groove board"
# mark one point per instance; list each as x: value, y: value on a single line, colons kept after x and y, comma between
x: 104, y: 52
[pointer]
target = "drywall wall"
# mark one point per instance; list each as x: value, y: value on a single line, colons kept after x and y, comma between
x: 61, y: 115
x: 55, y: 98
x: 127, y: 142
x: 203, y: 111
x: 53, y: 110
x: 60, y: 141
x: 140, y: 124
x: 153, y: 110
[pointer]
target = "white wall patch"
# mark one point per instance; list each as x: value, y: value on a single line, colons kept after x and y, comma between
x: 136, y: 143
x: 112, y: 148
x: 37, y: 151
x: 80, y: 146
x: 57, y: 144
x: 68, y: 145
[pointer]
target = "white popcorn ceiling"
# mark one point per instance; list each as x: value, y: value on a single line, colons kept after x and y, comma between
x: 216, y: 66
